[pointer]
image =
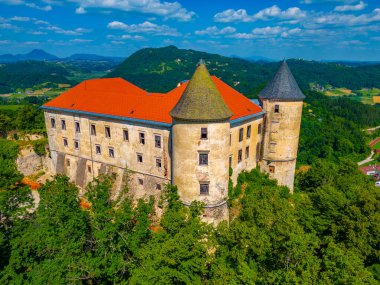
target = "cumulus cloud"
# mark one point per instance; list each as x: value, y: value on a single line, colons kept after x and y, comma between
x: 80, y: 10
x: 168, y: 10
x: 269, y: 13
x: 80, y: 41
x: 338, y: 19
x: 214, y: 31
x: 146, y: 28
x: 20, y: 19
x: 34, y: 5
x: 358, y: 7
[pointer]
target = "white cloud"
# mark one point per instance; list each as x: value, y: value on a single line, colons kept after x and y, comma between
x: 37, y: 33
x: 358, y: 7
x: 80, y: 41
x: 80, y: 10
x: 269, y: 13
x: 267, y: 31
x: 34, y: 5
x: 117, y: 42
x: 134, y: 37
x: 30, y: 43
x: 7, y: 26
x: 214, y: 31
x: 20, y: 19
x: 338, y: 19
x: 5, y: 42
x: 40, y: 22
x: 145, y: 27
x: 168, y: 10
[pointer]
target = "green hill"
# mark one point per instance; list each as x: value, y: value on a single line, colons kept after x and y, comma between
x: 160, y: 69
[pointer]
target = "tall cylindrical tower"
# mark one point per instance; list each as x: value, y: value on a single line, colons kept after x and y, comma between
x: 200, y: 142
x: 282, y: 100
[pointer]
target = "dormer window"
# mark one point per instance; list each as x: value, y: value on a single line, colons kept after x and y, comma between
x: 204, y: 133
x: 276, y: 108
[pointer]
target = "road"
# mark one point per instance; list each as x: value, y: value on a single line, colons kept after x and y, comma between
x: 368, y: 159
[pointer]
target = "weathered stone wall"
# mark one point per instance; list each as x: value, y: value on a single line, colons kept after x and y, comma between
x: 281, y: 140
x: 29, y: 162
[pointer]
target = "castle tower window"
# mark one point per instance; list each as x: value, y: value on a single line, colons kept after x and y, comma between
x: 230, y: 161
x: 271, y: 169
x: 97, y: 149
x: 111, y: 152
x: 240, y: 154
x: 76, y: 144
x: 125, y: 135
x: 204, y: 133
x: 203, y: 159
x: 68, y: 162
x: 89, y: 169
x: 158, y: 186
x: 52, y: 123
x: 248, y: 132
x: 93, y: 130
x: 141, y: 181
x: 204, y: 188
x: 247, y: 152
x: 65, y: 143
x: 259, y: 129
x: 139, y: 158
x: 142, y: 138
x: 63, y: 125
x: 276, y: 108
x: 158, y: 162
x: 157, y: 141
x: 230, y: 138
x: 77, y: 127
x: 241, y: 134
x: 107, y: 131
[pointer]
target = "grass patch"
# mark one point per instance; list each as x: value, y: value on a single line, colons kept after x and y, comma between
x: 376, y: 145
x: 10, y: 107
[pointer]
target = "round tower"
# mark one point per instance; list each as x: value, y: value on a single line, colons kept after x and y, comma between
x: 200, y: 144
x: 282, y: 100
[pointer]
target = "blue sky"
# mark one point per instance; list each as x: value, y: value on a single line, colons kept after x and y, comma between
x: 310, y: 29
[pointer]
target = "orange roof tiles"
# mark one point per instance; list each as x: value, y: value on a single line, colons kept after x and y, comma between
x: 118, y: 97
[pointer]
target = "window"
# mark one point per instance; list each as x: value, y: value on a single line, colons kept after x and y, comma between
x: 111, y: 152
x: 240, y: 152
x: 271, y: 169
x: 230, y: 161
x: 89, y: 169
x: 63, y: 125
x: 139, y: 158
x: 259, y: 129
x: 68, y: 162
x: 241, y: 134
x: 230, y: 138
x: 157, y: 141
x: 76, y: 144
x: 142, y: 138
x: 97, y: 149
x: 107, y: 132
x: 276, y: 108
x: 93, y: 130
x: 125, y: 135
x: 246, y: 151
x: 203, y: 188
x: 203, y: 159
x: 52, y: 123
x: 158, y: 162
x: 141, y: 181
x: 65, y: 144
x: 158, y: 186
x: 204, y: 133
x: 77, y: 127
x: 248, y: 132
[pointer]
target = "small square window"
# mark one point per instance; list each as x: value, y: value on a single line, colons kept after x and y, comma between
x: 203, y: 159
x: 77, y: 127
x: 125, y: 135
x: 63, y: 125
x: 111, y: 152
x: 158, y: 162
x: 52, y: 122
x: 204, y: 133
x: 230, y: 138
x: 65, y: 143
x: 107, y: 132
x: 68, y: 162
x: 259, y: 129
x: 240, y: 152
x: 204, y: 188
x: 141, y: 181
x: 248, y: 132
x: 97, y: 149
x: 139, y: 158
x: 157, y: 141
x: 271, y: 169
x: 158, y: 186
x: 276, y: 108
x: 93, y: 130
x: 76, y: 144
x: 142, y: 138
x: 230, y: 161
x: 246, y: 151
x: 89, y: 169
x: 241, y: 134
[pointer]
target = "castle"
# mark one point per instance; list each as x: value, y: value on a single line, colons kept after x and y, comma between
x: 190, y: 136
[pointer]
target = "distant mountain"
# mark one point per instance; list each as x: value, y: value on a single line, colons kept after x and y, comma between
x: 92, y: 57
x: 160, y: 69
x: 36, y: 54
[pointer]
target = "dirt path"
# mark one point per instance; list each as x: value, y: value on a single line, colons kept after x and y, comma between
x: 372, y: 129
x: 368, y: 159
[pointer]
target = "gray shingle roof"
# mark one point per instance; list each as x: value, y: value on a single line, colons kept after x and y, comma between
x: 283, y: 86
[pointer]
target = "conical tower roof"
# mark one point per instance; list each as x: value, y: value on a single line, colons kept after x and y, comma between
x: 201, y: 100
x: 283, y: 86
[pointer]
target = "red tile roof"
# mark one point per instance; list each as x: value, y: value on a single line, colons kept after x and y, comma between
x: 118, y: 97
